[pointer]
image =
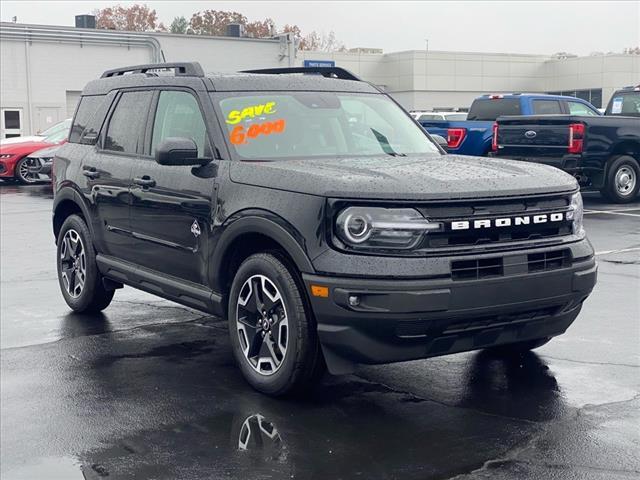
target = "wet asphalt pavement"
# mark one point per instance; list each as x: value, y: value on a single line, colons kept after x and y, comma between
x: 148, y: 389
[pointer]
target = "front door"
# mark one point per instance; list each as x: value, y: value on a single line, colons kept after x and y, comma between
x: 171, y: 209
x: 108, y: 171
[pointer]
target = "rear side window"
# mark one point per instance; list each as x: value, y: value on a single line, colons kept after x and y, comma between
x: 546, y: 107
x: 178, y: 115
x: 577, y: 108
x: 626, y: 104
x: 87, y: 116
x: 488, y: 109
x: 127, y: 124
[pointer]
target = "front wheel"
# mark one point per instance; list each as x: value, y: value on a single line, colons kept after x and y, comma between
x: 23, y: 173
x: 78, y: 275
x: 273, y: 334
x: 621, y: 184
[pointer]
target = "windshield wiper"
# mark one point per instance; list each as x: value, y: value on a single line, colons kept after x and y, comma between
x: 384, y: 143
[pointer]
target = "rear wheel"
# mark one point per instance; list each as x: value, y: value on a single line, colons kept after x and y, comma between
x: 519, y: 347
x: 78, y: 275
x: 621, y: 184
x: 273, y: 333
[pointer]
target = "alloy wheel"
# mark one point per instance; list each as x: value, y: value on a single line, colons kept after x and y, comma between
x: 24, y: 173
x: 262, y: 324
x: 73, y: 263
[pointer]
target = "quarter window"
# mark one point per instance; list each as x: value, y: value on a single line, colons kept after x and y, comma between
x: 127, y: 125
x: 546, y: 107
x: 86, y: 111
x: 178, y: 115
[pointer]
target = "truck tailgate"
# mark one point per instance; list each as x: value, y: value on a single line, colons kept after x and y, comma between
x: 544, y: 135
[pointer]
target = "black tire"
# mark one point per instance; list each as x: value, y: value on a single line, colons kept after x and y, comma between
x: 302, y: 364
x: 91, y: 297
x: 518, y: 348
x: 623, y: 168
x: 23, y: 177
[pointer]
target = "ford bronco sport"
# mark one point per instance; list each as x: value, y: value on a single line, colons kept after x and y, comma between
x: 310, y: 210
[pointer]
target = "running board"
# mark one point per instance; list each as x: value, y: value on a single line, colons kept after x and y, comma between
x: 165, y: 286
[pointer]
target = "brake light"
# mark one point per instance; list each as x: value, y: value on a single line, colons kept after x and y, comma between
x: 494, y: 140
x: 495, y: 97
x: 455, y: 136
x: 576, y: 137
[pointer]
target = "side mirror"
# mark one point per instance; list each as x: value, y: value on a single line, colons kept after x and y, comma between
x: 179, y: 151
x: 440, y: 140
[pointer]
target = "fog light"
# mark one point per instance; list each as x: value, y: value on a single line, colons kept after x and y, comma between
x: 354, y: 300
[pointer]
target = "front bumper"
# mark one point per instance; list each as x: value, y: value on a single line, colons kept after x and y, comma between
x: 398, y: 320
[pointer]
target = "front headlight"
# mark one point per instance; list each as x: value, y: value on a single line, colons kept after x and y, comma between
x: 4, y: 156
x: 382, y: 228
x: 576, y: 213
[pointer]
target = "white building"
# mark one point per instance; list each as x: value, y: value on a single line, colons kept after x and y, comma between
x: 44, y: 68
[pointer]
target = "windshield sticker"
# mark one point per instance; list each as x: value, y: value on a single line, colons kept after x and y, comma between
x: 240, y: 135
x: 236, y: 116
x: 616, y: 107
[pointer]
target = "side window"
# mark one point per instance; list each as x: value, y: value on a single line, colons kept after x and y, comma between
x: 546, y: 107
x: 87, y: 110
x: 178, y: 115
x: 127, y: 124
x: 576, y: 108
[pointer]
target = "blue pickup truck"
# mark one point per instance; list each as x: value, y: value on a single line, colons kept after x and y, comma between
x: 473, y: 136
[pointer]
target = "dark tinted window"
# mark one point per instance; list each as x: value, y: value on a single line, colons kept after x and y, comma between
x: 89, y: 117
x: 546, y: 107
x: 627, y: 104
x: 12, y: 119
x: 490, y: 109
x: 178, y: 115
x: 126, y: 126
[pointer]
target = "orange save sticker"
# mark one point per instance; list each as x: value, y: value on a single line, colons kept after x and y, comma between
x: 240, y: 134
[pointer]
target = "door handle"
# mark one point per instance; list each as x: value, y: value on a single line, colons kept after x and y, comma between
x: 145, y: 181
x: 90, y: 172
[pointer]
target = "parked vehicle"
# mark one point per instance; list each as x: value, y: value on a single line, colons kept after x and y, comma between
x: 17, y: 161
x: 625, y: 102
x: 603, y: 153
x: 54, y: 130
x: 316, y: 216
x: 427, y: 116
x: 39, y: 163
x: 473, y: 135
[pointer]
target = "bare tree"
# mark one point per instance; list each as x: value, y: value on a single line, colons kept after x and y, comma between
x: 324, y: 42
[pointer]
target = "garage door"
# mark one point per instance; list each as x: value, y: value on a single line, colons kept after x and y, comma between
x: 73, y: 96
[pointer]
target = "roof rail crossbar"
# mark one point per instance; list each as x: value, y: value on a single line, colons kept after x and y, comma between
x: 329, y: 72
x: 181, y: 69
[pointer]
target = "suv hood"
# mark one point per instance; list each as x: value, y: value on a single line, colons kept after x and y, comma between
x: 405, y: 178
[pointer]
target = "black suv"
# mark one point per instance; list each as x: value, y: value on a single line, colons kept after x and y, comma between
x: 308, y: 208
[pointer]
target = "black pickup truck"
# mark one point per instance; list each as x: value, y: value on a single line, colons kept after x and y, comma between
x: 603, y: 153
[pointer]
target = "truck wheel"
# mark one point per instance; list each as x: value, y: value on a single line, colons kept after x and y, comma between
x: 621, y: 185
x: 273, y: 333
x: 78, y: 275
x: 519, y: 347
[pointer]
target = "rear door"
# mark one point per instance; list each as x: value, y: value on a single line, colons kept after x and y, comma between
x: 108, y: 171
x: 171, y: 211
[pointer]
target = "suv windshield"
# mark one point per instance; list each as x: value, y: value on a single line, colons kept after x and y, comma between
x: 313, y: 124
x: 488, y: 109
x: 624, y: 104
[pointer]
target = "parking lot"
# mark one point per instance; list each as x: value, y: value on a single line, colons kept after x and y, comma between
x: 149, y: 390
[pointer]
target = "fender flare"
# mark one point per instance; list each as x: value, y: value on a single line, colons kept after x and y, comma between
x: 275, y: 228
x: 68, y: 193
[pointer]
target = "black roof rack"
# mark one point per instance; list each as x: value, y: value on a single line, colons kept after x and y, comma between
x: 329, y: 72
x: 182, y: 69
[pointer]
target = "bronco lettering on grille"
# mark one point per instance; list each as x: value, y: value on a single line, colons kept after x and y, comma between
x: 507, y: 221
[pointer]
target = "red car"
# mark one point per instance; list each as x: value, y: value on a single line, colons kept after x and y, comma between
x: 15, y: 162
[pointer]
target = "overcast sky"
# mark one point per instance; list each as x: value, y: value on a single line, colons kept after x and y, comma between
x: 543, y: 27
